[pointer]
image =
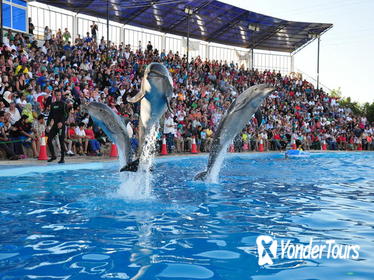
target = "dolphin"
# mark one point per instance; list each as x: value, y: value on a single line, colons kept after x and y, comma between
x: 236, y: 117
x: 114, y: 127
x: 154, y: 96
x: 226, y: 87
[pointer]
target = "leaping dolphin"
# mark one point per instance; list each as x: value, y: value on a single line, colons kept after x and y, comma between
x: 236, y: 117
x: 114, y: 127
x: 154, y: 96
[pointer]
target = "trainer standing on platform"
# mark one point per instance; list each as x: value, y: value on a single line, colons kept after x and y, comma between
x: 56, y: 125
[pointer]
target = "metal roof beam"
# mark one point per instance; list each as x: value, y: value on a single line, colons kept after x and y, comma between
x: 310, y: 41
x: 185, y: 17
x: 254, y: 43
x: 138, y: 13
x: 227, y: 26
x: 213, y: 20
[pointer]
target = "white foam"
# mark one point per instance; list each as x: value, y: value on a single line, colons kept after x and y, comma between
x: 213, y: 176
x: 138, y: 185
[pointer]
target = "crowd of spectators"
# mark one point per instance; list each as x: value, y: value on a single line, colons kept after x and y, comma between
x: 35, y: 76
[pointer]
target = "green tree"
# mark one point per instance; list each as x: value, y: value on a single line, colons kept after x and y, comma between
x: 357, y: 108
x: 369, y: 111
x: 337, y: 93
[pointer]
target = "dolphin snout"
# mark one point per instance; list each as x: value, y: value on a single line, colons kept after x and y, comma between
x: 269, y: 90
x: 265, y: 89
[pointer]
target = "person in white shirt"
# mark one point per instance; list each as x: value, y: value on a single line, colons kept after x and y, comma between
x: 21, y: 101
x: 169, y: 127
x: 181, y: 114
x: 264, y: 136
x: 82, y: 138
x: 196, y: 123
x: 14, y: 113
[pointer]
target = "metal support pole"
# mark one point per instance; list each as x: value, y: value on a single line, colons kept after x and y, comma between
x: 292, y: 63
x: 319, y: 39
x: 163, y: 43
x: 249, y: 60
x: 75, y: 29
x: 252, y: 60
x: 1, y: 22
x: 188, y: 37
x: 107, y: 24
x: 124, y: 35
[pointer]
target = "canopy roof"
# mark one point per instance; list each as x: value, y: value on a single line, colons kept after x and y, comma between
x: 211, y: 21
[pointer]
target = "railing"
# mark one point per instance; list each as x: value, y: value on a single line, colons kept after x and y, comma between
x: 313, y: 80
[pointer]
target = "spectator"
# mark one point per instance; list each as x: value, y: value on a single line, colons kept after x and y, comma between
x: 47, y: 34
x: 15, y: 115
x: 22, y: 133
x: 149, y: 47
x: 94, y: 30
x: 169, y: 127
x: 74, y: 145
x: 66, y: 36
x: 38, y: 128
x: 31, y: 27
x: 87, y: 39
x: 5, y: 143
x: 179, y: 142
x: 94, y: 144
x: 370, y: 144
x: 82, y: 138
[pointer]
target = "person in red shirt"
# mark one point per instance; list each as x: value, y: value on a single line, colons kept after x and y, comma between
x: 369, y: 140
x: 68, y: 142
x: 94, y: 144
x: 276, y: 141
x: 351, y: 140
x: 316, y: 143
x: 73, y: 139
x: 342, y: 140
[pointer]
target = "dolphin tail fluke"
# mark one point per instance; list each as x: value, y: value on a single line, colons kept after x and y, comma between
x: 132, y: 166
x: 201, y: 176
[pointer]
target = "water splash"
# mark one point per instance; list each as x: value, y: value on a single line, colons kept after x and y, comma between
x: 213, y: 176
x: 138, y: 185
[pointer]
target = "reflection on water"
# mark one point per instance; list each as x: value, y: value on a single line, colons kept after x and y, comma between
x: 72, y: 224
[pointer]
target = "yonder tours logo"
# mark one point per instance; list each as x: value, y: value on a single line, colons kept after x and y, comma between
x: 267, y: 248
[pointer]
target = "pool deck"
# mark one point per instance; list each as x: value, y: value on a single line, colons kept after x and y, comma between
x: 78, y: 159
x: 88, y: 159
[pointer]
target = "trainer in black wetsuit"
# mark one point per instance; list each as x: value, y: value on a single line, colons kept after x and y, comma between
x: 56, y: 120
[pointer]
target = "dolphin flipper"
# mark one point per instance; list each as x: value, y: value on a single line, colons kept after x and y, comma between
x: 201, y: 176
x: 132, y: 166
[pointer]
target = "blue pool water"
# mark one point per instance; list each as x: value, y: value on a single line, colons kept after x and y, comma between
x: 69, y: 222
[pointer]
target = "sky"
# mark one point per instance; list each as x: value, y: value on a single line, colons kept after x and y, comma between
x: 346, y: 50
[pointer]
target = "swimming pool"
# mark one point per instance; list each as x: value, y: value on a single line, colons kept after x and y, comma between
x: 68, y: 222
